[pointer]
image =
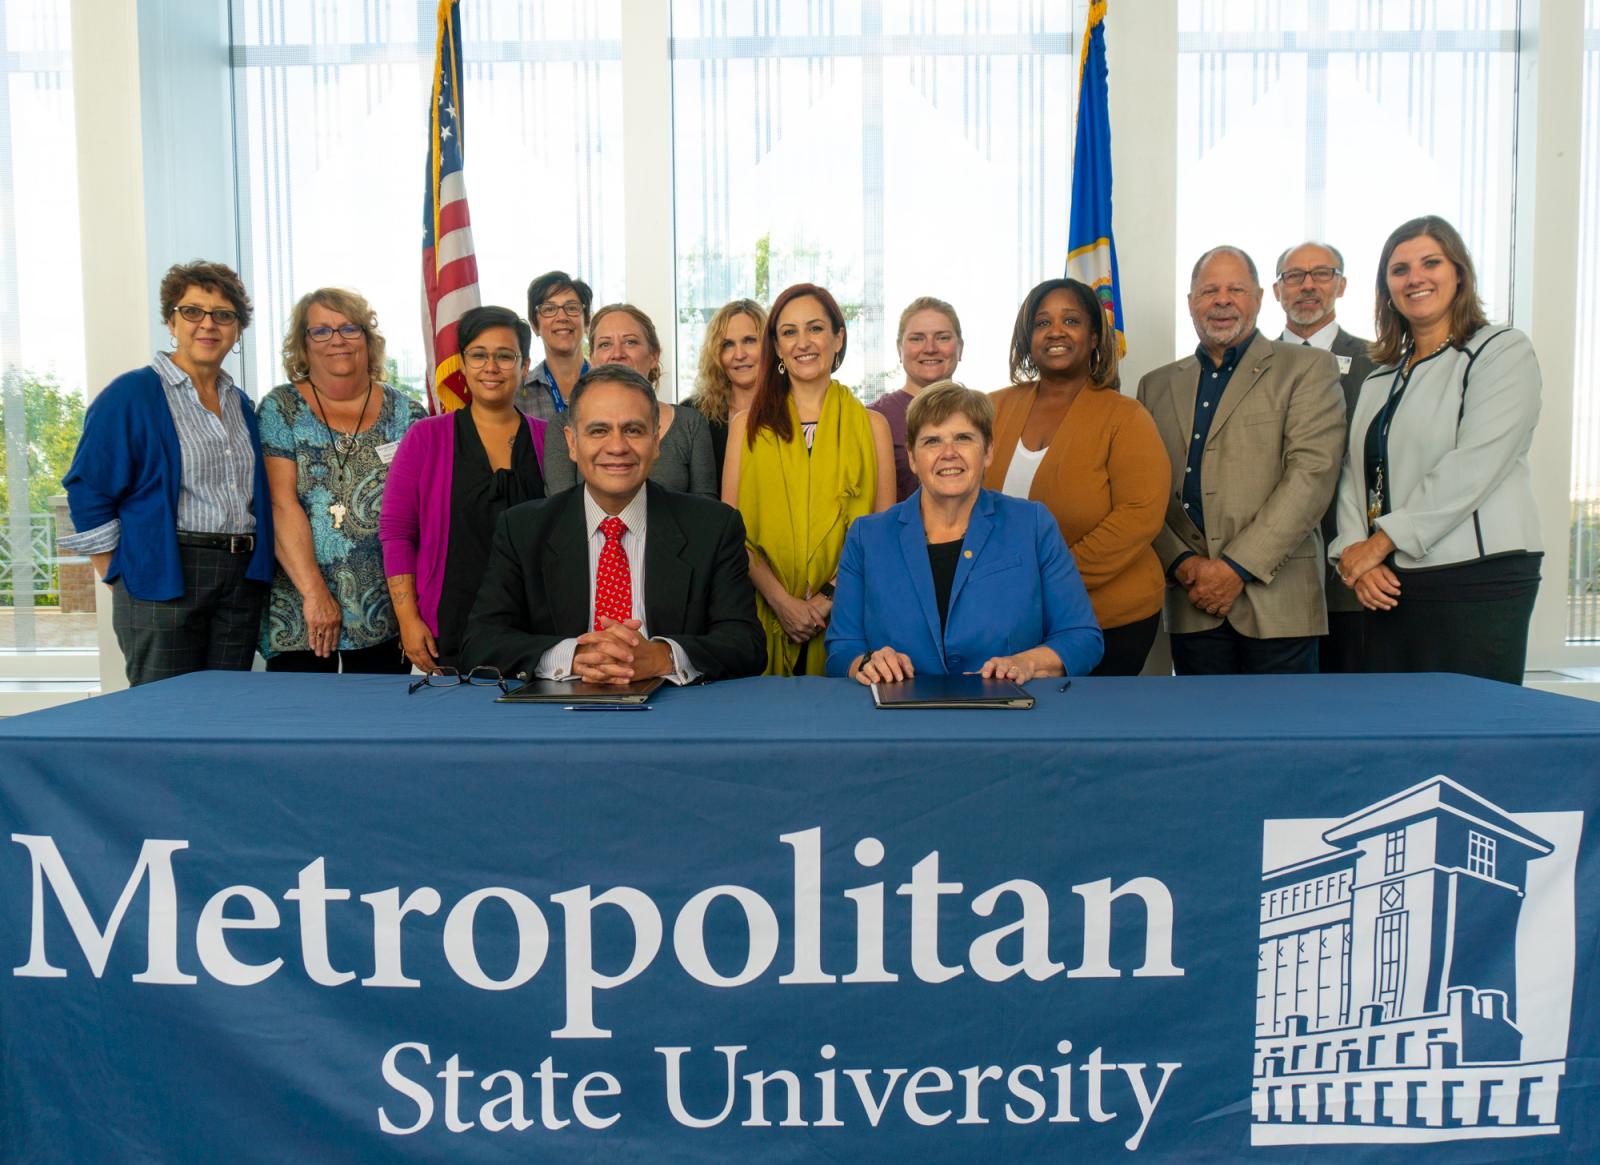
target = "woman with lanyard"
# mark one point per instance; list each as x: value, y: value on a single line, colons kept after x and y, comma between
x: 804, y: 462
x: 1438, y: 533
x: 558, y: 310
x: 329, y: 435
x: 168, y: 492
x: 451, y: 480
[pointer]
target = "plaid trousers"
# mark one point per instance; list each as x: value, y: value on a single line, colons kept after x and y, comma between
x: 213, y: 625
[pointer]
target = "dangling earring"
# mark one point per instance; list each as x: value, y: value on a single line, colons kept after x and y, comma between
x: 1094, y: 363
x: 782, y: 371
x: 172, y: 342
x: 239, y: 347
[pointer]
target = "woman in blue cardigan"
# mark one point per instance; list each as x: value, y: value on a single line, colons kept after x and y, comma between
x: 168, y: 491
x: 958, y: 578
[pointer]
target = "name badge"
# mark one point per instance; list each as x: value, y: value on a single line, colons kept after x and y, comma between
x: 1344, y: 364
x: 386, y: 452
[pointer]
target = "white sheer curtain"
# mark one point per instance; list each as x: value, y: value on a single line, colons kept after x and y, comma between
x: 1339, y: 120
x: 331, y: 99
x: 883, y: 149
x: 41, y: 324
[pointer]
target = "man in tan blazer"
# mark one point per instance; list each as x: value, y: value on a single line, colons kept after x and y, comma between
x: 1255, y: 433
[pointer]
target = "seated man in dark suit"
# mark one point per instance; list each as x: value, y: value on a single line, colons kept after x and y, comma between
x: 616, y: 579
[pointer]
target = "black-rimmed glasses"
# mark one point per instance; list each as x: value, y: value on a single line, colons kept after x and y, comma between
x: 322, y: 333
x: 571, y: 307
x: 1295, y: 276
x: 449, y: 677
x: 222, y: 316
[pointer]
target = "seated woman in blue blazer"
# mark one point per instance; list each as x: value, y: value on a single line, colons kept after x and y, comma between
x: 958, y: 578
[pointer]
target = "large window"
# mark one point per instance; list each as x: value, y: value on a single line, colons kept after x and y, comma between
x: 332, y: 102
x: 1338, y: 120
x: 885, y: 150
x: 46, y: 601
x: 1583, y: 586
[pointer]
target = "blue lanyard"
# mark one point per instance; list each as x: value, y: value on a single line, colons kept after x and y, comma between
x: 556, y: 399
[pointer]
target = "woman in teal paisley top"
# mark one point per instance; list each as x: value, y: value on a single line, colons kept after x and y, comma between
x: 329, y: 435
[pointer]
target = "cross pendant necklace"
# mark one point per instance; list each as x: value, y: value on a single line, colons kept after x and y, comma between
x: 343, y: 445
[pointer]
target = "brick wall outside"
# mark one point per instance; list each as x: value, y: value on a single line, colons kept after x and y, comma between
x: 77, y: 576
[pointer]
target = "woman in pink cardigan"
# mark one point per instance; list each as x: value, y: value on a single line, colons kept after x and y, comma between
x: 451, y: 479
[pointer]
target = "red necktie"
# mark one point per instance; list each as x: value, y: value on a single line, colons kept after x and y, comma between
x: 613, y: 582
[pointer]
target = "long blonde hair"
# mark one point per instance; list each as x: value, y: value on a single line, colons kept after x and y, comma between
x: 713, y: 391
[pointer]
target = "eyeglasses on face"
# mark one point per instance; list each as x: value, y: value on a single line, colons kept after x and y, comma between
x: 503, y: 357
x: 222, y: 316
x: 549, y: 311
x: 322, y: 333
x: 1295, y: 276
x: 449, y: 677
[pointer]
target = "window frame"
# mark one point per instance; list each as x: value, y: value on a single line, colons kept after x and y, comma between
x: 122, y: 243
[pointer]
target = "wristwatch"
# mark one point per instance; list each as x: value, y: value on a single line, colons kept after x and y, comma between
x: 826, y: 590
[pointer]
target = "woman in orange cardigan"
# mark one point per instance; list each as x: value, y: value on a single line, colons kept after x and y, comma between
x: 1065, y: 435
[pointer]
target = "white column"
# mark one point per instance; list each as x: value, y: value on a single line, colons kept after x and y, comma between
x: 1142, y: 74
x: 116, y: 286
x: 647, y: 174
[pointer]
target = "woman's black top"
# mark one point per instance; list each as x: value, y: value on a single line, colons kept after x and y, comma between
x: 719, y: 436
x: 479, y: 494
x: 943, y: 558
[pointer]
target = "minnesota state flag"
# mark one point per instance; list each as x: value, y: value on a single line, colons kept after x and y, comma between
x: 1091, y: 249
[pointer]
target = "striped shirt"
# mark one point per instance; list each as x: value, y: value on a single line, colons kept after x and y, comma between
x: 218, y: 458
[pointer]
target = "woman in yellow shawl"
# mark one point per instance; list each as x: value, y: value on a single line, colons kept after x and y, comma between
x: 804, y: 461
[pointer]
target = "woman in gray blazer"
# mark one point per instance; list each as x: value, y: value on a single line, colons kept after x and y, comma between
x: 1438, y: 533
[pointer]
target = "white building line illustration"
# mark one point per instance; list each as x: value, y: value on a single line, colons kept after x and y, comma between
x: 1386, y: 1000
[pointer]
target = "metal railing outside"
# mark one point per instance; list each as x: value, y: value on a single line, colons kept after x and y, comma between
x: 42, y: 574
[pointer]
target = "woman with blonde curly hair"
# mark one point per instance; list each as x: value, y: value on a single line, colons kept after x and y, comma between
x: 730, y: 367
x: 329, y: 435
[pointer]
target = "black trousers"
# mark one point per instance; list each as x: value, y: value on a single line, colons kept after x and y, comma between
x: 212, y: 626
x: 1222, y: 651
x: 381, y: 659
x: 1478, y: 637
x: 1127, y: 647
x: 1343, y: 648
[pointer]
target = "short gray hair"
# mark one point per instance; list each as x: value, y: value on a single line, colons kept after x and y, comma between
x: 1338, y: 258
x: 1224, y: 249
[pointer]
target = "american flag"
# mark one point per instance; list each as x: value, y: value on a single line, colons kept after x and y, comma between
x: 449, y: 266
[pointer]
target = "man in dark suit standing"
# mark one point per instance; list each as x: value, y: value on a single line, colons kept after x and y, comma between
x: 616, y: 579
x: 1310, y: 279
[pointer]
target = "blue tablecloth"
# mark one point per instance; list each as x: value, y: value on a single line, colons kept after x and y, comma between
x: 273, y: 917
